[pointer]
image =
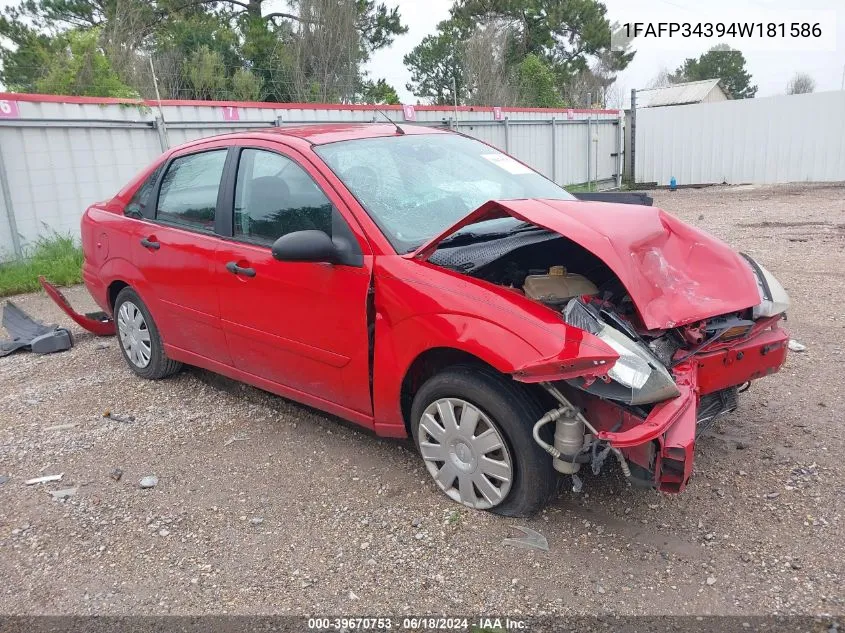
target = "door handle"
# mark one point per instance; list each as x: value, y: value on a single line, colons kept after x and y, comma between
x: 233, y: 268
x: 150, y: 244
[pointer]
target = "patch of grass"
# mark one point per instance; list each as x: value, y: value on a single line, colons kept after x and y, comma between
x: 58, y: 258
x: 579, y: 188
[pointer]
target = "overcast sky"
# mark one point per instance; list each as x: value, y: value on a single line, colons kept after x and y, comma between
x: 770, y: 69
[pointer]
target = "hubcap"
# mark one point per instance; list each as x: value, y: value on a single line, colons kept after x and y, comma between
x: 465, y: 453
x: 134, y: 334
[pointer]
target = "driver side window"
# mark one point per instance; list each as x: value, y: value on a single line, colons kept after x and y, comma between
x: 274, y: 196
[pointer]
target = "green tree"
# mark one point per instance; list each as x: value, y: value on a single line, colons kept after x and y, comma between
x: 566, y: 34
x: 72, y: 63
x: 723, y: 63
x: 563, y: 37
x: 275, y: 53
x: 537, y: 86
x: 379, y: 92
x: 436, y: 65
x: 24, y: 62
x: 310, y: 52
x: 246, y: 85
x: 207, y: 74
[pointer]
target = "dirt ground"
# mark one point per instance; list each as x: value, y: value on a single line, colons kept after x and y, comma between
x: 263, y: 506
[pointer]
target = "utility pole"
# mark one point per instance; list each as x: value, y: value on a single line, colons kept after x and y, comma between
x: 455, y: 95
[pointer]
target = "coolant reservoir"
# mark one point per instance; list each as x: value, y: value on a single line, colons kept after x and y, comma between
x: 558, y: 286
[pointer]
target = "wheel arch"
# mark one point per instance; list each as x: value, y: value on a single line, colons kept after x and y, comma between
x: 418, y: 346
x: 435, y: 360
x: 428, y: 363
x: 114, y: 289
x: 118, y: 273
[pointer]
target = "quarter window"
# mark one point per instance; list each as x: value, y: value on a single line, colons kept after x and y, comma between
x: 138, y: 204
x: 274, y: 196
x: 188, y: 195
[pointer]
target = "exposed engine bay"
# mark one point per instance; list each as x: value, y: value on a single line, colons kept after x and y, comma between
x: 569, y: 279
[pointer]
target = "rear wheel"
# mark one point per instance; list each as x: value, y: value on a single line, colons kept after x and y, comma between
x: 140, y: 342
x: 472, y: 427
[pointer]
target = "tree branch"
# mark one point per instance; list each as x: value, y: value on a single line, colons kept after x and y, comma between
x: 290, y: 16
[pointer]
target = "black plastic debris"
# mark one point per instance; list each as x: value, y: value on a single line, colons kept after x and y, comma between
x: 617, y: 197
x: 29, y: 334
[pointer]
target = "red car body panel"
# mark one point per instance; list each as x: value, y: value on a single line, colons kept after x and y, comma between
x: 674, y: 273
x: 421, y: 307
x: 99, y: 327
x: 345, y: 339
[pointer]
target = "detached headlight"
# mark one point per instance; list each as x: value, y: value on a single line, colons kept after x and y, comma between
x: 638, y: 377
x: 773, y: 298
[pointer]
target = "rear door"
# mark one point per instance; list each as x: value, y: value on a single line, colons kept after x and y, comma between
x: 302, y: 325
x: 174, y: 248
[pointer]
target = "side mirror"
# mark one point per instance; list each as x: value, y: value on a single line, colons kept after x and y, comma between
x: 305, y: 246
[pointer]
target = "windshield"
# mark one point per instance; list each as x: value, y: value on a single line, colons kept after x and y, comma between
x: 416, y: 186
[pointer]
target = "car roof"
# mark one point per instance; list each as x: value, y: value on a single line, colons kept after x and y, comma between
x: 322, y: 133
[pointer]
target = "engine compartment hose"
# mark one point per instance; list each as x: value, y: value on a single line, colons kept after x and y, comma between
x: 623, y: 463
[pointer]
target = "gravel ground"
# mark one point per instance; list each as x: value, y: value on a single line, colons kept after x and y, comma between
x: 263, y: 506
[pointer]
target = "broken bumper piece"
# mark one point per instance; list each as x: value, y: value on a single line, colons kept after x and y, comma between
x: 97, y: 322
x: 663, y: 444
x: 27, y: 333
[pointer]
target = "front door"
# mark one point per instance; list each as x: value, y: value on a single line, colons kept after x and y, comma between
x: 174, y: 246
x: 302, y: 325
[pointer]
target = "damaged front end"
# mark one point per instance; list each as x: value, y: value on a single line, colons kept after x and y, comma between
x: 666, y: 389
x: 652, y: 290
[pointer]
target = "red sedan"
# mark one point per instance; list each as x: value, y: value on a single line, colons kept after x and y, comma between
x: 419, y: 282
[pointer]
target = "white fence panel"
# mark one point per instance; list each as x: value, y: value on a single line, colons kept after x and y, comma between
x: 61, y: 154
x: 795, y: 138
x: 573, y: 139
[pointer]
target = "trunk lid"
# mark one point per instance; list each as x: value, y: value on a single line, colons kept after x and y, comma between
x: 674, y: 273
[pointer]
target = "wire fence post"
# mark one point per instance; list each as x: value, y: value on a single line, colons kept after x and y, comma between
x: 161, y: 126
x: 554, y: 149
x: 620, y: 148
x: 507, y: 137
x: 10, y: 210
x: 158, y: 124
x: 633, y: 135
x: 589, y: 152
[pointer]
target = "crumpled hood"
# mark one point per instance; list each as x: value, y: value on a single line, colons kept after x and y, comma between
x: 674, y: 273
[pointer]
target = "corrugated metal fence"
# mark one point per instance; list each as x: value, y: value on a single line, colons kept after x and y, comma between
x: 60, y: 154
x: 795, y: 138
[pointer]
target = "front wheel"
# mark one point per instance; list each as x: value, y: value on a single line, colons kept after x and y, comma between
x: 472, y: 427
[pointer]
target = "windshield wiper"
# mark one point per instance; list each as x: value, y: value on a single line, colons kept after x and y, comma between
x: 526, y: 226
x: 467, y: 237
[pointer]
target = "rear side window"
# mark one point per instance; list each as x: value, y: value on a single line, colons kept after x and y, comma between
x: 274, y: 196
x: 138, y: 204
x: 188, y: 195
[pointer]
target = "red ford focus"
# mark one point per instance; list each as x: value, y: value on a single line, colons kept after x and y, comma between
x: 419, y: 282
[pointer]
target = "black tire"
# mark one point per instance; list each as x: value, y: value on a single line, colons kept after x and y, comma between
x: 159, y: 366
x: 513, y: 412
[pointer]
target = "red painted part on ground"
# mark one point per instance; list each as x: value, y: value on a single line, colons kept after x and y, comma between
x: 39, y: 98
x: 100, y: 328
